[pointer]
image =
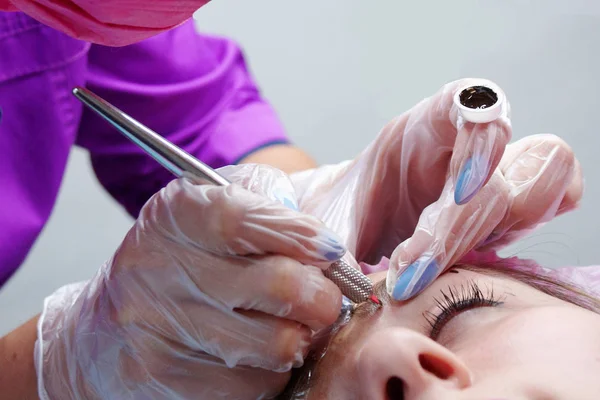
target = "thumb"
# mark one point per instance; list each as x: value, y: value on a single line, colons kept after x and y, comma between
x: 444, y: 234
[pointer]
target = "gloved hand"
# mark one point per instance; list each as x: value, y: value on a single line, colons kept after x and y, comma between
x: 537, y: 179
x: 107, y: 22
x: 374, y: 201
x: 212, y: 295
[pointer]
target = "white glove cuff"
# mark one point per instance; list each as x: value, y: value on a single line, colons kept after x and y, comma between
x: 49, y: 329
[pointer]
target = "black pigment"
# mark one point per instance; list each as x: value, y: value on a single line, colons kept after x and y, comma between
x: 478, y: 97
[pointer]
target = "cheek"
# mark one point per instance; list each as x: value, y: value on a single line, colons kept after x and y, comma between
x: 548, y: 342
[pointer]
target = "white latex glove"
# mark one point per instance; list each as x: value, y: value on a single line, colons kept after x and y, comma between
x: 374, y: 201
x: 415, y: 194
x: 537, y: 179
x: 212, y: 295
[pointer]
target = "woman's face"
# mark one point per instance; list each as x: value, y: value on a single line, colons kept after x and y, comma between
x: 493, y: 338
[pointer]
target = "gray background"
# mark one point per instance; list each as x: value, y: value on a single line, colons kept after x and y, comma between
x: 337, y: 70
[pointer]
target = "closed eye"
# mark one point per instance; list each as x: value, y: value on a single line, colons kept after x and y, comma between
x: 456, y: 300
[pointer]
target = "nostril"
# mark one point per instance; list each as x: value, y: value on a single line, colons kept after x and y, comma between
x: 436, y: 366
x: 394, y: 389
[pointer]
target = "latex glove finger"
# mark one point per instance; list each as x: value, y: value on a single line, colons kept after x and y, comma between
x: 234, y: 221
x: 445, y: 233
x: 421, y: 140
x: 544, y: 178
x: 545, y: 144
x: 478, y: 148
x: 574, y: 192
x: 294, y: 296
x: 437, y: 125
x: 375, y: 201
x: 275, y: 285
x: 242, y: 338
x: 276, y: 185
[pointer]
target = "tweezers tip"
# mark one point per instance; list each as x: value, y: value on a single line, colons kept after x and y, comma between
x: 374, y: 299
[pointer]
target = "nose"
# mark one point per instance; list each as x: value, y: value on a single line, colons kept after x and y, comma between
x: 399, y: 363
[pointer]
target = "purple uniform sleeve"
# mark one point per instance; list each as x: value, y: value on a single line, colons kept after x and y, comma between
x: 193, y: 89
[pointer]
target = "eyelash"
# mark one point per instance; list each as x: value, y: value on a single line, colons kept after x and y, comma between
x: 456, y: 301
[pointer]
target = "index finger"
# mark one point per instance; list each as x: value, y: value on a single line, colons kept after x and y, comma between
x: 444, y: 234
x: 233, y: 221
x: 435, y: 133
x: 479, y: 146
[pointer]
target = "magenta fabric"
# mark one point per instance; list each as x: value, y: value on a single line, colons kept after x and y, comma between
x: 194, y: 89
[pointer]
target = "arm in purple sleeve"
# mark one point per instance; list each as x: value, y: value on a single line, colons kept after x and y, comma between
x: 195, y: 90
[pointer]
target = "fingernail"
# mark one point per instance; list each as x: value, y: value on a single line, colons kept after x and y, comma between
x: 415, y: 278
x: 469, y: 180
x: 287, y: 199
x: 329, y: 245
x: 290, y: 204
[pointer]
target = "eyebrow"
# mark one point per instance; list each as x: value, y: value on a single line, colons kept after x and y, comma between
x: 380, y: 290
x: 368, y: 308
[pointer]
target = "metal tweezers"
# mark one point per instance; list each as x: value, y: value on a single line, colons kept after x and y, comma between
x: 352, y: 283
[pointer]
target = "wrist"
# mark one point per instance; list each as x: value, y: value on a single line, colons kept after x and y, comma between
x: 18, y: 378
x: 56, y: 355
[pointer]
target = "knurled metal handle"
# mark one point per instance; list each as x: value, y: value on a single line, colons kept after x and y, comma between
x: 354, y: 284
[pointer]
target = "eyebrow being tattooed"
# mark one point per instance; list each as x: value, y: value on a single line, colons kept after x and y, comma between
x: 368, y: 308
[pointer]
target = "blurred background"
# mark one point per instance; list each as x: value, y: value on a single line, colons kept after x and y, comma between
x: 337, y: 71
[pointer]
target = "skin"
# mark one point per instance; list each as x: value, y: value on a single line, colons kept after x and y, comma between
x: 17, y: 372
x: 534, y: 346
x: 288, y: 159
x: 18, y: 380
